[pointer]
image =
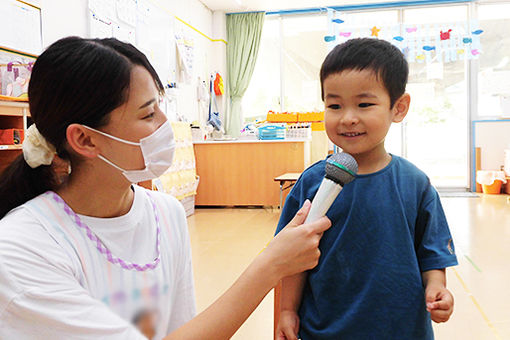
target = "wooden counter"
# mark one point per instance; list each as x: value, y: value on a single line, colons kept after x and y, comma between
x: 242, y: 172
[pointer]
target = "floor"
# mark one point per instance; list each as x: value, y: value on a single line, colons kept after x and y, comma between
x: 225, y: 240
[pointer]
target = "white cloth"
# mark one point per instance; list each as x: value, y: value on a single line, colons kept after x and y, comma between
x: 36, y: 149
x: 55, y: 284
x: 488, y: 177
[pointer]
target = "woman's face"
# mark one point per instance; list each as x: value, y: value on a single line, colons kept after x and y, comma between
x: 139, y: 117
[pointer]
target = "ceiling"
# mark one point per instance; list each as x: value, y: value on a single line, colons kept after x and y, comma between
x: 231, y: 6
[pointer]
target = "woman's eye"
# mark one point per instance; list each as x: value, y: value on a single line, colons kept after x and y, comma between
x: 334, y: 106
x: 150, y: 115
x: 365, y: 104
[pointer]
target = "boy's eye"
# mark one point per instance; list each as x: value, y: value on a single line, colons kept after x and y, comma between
x: 365, y: 104
x: 334, y: 106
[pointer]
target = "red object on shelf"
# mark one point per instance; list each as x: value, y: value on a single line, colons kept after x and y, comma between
x: 11, y: 136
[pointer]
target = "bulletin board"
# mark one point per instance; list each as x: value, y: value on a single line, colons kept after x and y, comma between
x: 20, y: 26
x: 141, y: 23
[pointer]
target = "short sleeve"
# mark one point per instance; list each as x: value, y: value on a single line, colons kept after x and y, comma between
x: 434, y: 243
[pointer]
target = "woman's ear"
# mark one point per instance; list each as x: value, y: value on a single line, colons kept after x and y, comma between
x: 401, y: 108
x: 81, y: 142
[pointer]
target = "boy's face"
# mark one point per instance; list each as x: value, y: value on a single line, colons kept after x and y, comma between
x: 358, y: 114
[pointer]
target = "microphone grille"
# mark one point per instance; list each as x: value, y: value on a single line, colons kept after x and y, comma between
x: 341, y: 168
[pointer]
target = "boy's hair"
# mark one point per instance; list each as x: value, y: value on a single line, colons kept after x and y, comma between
x: 384, y: 59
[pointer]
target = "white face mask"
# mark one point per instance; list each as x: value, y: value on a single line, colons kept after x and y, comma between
x: 157, y: 150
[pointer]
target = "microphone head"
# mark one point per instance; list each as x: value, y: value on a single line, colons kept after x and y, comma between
x: 341, y: 168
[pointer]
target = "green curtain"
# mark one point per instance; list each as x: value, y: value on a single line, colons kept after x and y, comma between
x: 243, y: 36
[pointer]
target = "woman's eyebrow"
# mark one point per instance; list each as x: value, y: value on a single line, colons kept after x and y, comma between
x: 153, y: 100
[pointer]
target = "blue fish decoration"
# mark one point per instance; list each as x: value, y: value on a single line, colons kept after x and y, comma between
x: 329, y: 38
x: 337, y: 21
x: 477, y: 32
x: 467, y: 40
x: 398, y: 38
x: 429, y: 48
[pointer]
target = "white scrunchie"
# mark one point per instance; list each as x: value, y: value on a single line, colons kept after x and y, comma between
x: 36, y: 149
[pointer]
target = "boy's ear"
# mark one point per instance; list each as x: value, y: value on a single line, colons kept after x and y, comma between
x: 401, y: 108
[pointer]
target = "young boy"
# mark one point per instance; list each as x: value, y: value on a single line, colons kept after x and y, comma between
x: 381, y: 274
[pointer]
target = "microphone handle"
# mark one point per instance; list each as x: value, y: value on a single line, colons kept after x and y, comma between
x: 324, y: 198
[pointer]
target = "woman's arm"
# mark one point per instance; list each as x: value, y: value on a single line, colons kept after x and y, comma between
x: 292, y: 251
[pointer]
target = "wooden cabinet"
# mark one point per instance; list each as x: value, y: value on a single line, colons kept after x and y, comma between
x: 13, y: 115
x: 242, y: 173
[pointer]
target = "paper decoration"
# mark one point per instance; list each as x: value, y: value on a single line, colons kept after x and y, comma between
x: 185, y: 49
x: 181, y: 179
x: 425, y: 43
x: 126, y: 11
x: 375, y: 31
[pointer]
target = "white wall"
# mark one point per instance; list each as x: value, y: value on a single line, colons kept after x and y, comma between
x: 219, y: 57
x: 61, y: 18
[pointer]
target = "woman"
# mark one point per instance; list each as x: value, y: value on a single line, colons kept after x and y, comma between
x: 87, y: 256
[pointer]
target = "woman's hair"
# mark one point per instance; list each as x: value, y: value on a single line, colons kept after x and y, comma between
x: 74, y: 80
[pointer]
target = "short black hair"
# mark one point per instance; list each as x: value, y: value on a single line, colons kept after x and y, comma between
x: 380, y: 56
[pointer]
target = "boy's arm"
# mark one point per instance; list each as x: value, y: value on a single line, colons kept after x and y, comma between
x: 438, y: 298
x: 292, y: 290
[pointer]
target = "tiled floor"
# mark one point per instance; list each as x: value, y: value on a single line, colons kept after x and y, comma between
x: 225, y: 240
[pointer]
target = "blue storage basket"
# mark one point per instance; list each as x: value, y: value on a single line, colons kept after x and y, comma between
x: 272, y: 132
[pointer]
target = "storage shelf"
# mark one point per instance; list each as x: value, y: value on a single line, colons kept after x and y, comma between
x: 13, y: 109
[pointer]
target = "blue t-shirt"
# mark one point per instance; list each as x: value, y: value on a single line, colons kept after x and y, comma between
x: 388, y: 227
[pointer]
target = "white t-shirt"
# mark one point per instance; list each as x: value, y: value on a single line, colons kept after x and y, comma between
x: 55, y: 283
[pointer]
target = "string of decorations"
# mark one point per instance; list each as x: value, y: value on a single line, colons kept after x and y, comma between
x: 424, y: 43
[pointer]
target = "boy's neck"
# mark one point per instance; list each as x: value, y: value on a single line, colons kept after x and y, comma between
x: 369, y: 163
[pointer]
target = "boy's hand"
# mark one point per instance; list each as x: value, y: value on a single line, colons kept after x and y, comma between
x: 439, y: 302
x: 288, y: 326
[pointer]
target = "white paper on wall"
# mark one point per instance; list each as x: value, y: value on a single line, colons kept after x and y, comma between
x: 20, y: 26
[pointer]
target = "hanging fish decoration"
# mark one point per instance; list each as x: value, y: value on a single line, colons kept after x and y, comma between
x: 475, y: 52
x: 345, y: 34
x: 398, y: 38
x: 467, y: 40
x: 411, y: 29
x: 429, y: 48
x: 420, y: 57
x: 329, y: 38
x: 460, y: 51
x: 477, y: 32
x: 337, y: 21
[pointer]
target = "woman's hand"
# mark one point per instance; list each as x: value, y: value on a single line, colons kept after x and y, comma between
x: 295, y: 248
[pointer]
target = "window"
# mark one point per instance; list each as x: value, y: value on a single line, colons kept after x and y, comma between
x: 263, y: 92
x: 436, y: 130
x: 303, y: 53
x: 494, y: 67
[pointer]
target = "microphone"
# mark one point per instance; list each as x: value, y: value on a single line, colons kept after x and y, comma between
x: 341, y: 168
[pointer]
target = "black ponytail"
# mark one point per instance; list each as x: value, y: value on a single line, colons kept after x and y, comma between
x: 74, y: 80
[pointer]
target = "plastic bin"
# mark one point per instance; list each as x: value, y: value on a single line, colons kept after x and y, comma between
x: 272, y: 132
x: 491, y: 181
x: 494, y: 188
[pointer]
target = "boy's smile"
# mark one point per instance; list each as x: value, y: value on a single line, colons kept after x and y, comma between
x: 358, y: 114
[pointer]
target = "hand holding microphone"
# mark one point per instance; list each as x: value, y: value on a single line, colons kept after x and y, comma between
x: 341, y: 168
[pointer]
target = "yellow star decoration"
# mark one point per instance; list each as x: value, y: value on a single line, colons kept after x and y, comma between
x: 375, y: 31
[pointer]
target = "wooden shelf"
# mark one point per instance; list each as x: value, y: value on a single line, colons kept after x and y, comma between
x: 11, y: 147
x: 8, y: 108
